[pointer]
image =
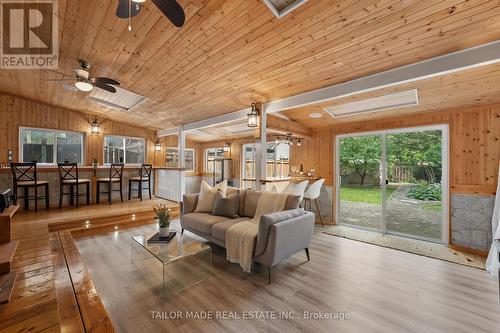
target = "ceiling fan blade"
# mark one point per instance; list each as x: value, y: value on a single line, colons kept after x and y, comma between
x: 106, y: 87
x: 105, y: 80
x: 172, y: 10
x: 123, y: 7
x: 61, y: 80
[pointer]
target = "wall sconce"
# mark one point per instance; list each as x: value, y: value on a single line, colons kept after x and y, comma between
x: 253, y: 117
x: 157, y: 145
x: 95, y: 128
x: 227, y: 147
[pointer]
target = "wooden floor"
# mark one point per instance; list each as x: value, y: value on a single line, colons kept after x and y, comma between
x: 383, y: 290
x: 34, y: 304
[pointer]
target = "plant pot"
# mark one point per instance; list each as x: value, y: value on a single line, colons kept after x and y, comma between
x: 164, y: 232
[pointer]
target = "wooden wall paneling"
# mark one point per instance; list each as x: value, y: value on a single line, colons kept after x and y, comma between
x: 16, y: 112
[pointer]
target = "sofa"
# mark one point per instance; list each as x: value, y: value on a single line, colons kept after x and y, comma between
x: 279, y: 236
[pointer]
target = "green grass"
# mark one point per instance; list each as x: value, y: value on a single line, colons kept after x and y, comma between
x: 372, y: 195
x: 432, y: 207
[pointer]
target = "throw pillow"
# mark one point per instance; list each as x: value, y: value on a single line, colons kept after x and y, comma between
x: 207, y: 196
x: 226, y: 206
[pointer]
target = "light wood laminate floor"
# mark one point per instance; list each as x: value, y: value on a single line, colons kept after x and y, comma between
x: 383, y: 290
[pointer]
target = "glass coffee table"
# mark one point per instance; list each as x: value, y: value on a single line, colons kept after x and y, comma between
x: 183, y: 262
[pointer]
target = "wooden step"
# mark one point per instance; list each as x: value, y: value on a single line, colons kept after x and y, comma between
x: 6, y: 286
x: 7, y: 251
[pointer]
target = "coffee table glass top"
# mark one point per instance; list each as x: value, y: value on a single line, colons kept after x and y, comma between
x: 179, y: 247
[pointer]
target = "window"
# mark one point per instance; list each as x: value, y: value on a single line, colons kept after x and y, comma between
x: 278, y: 161
x: 210, y: 155
x: 119, y: 149
x: 50, y: 146
x: 172, y: 158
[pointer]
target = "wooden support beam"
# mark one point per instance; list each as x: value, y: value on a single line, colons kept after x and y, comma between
x: 283, y: 126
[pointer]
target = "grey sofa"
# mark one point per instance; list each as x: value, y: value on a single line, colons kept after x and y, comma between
x: 280, y: 234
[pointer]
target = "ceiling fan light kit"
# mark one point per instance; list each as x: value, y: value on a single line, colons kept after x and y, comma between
x: 84, y: 85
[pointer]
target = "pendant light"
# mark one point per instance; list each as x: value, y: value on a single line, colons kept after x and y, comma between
x: 253, y: 117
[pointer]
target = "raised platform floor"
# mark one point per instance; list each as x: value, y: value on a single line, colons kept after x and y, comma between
x: 44, y: 297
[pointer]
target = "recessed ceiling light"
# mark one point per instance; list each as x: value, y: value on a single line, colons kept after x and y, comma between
x: 315, y: 115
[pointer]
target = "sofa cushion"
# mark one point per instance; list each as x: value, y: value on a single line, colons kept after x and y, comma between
x: 251, y: 200
x: 201, y: 222
x: 219, y: 229
x: 226, y: 206
x: 207, y: 196
x: 265, y: 225
x: 243, y: 192
x: 292, y: 202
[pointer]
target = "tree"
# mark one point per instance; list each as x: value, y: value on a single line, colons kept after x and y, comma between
x: 360, y: 155
x: 421, y: 151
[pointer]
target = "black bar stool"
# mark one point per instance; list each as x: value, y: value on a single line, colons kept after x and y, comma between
x: 144, y: 177
x: 115, y: 176
x: 24, y: 176
x: 67, y: 177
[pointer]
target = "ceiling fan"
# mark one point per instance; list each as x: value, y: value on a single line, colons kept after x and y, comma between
x: 84, y: 82
x: 170, y: 8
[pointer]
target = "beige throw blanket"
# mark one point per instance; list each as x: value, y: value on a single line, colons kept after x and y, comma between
x: 241, y: 237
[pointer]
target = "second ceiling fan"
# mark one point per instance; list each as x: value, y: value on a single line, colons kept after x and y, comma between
x: 170, y: 8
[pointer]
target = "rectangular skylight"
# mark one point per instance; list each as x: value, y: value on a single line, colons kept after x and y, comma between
x: 123, y: 99
x: 392, y: 101
x: 282, y: 7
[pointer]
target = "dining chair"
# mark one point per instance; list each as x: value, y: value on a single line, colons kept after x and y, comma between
x: 68, y: 176
x: 144, y: 177
x: 313, y: 193
x: 115, y: 177
x: 300, y: 189
x: 24, y: 176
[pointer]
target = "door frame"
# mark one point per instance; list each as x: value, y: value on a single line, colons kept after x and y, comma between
x: 445, y: 149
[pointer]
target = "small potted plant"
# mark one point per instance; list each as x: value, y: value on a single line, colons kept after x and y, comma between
x: 163, y: 216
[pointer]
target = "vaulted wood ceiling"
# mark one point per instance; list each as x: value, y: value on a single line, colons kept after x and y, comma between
x: 467, y: 88
x: 232, y: 52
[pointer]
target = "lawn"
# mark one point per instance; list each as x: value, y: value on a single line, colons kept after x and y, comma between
x: 366, y: 194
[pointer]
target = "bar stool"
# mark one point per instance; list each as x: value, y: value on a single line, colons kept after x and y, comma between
x: 24, y: 176
x: 115, y: 176
x: 313, y: 193
x: 144, y: 177
x: 67, y: 177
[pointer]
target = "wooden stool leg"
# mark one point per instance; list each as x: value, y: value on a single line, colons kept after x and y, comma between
x: 129, y: 189
x: 88, y: 193
x: 47, y: 196
x: 149, y: 187
x: 77, y: 194
x: 319, y: 212
x: 97, y: 192
x: 36, y: 198
x: 26, y: 198
x: 110, y: 191
x: 121, y: 191
x: 61, y: 188
x: 140, y: 190
x: 72, y: 193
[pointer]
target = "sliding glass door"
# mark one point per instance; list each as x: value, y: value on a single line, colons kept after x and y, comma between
x: 360, y: 191
x: 395, y: 182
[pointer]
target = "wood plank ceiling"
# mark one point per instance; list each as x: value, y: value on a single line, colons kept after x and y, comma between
x: 473, y: 87
x: 230, y: 53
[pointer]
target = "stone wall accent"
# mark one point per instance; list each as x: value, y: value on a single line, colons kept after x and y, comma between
x: 471, y: 221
